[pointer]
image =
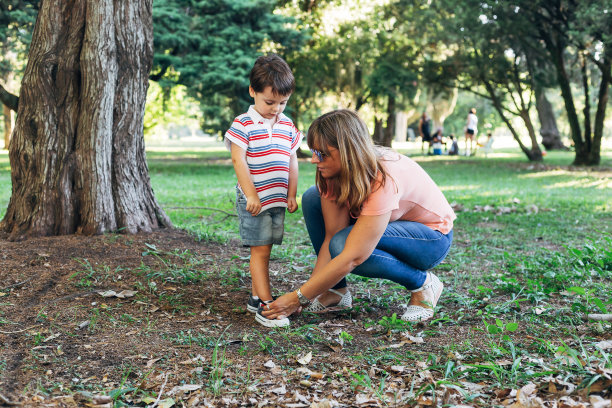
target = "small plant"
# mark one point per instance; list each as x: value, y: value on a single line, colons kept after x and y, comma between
x: 592, y: 302
x: 344, y: 337
x: 363, y: 381
x: 394, y: 323
x: 217, y: 366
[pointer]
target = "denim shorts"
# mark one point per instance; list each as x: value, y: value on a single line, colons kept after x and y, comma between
x: 264, y: 229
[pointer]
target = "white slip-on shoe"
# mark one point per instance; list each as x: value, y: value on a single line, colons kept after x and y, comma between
x: 345, y: 302
x: 418, y: 313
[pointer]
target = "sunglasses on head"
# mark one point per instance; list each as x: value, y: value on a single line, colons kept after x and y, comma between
x: 320, y: 155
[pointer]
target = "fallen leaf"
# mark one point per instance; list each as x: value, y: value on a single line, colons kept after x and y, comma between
x: 304, y: 360
x: 322, y: 404
x: 126, y: 293
x: 184, y: 388
x: 152, y: 361
x: 598, y: 402
x: 53, y: 336
x: 362, y: 399
x: 166, y: 403
x: 121, y: 295
x: 282, y: 390
x: 604, y: 345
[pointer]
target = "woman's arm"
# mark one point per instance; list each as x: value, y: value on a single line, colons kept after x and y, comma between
x: 360, y: 244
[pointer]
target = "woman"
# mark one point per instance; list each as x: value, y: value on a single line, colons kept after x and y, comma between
x: 373, y: 212
x: 471, y: 128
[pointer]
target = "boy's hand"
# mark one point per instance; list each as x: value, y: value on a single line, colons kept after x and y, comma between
x: 292, y: 204
x: 253, y: 205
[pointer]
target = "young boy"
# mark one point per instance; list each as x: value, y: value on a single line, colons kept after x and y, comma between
x: 263, y: 143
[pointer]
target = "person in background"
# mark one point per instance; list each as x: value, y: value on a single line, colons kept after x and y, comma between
x: 373, y: 212
x: 454, y: 148
x: 436, y: 142
x: 263, y: 143
x: 471, y: 129
x: 425, y: 132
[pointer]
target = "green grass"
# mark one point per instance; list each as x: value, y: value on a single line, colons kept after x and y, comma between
x: 532, y: 255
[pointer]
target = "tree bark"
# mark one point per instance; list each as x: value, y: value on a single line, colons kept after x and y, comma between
x: 551, y: 139
x: 77, y: 156
x: 378, y: 131
x: 389, y: 130
x: 8, y: 125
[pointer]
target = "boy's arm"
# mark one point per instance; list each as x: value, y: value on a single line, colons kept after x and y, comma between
x: 244, y: 179
x: 293, y: 182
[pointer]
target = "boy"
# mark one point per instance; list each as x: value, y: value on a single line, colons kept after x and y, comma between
x: 263, y: 143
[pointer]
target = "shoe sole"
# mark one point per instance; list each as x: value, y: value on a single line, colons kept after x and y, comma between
x: 252, y: 309
x: 271, y: 322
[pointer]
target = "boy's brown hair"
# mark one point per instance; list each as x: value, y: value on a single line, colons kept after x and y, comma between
x: 271, y: 70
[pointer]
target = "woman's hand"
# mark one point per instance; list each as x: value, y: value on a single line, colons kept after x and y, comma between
x: 284, y: 306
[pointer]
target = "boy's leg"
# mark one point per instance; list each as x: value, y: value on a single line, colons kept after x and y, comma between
x: 260, y: 278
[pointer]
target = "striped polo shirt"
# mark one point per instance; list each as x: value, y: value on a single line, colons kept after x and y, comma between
x: 269, y: 145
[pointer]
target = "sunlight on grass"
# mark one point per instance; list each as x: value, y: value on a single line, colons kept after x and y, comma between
x: 597, y: 184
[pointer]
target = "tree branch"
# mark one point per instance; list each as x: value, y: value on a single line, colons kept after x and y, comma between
x: 8, y: 99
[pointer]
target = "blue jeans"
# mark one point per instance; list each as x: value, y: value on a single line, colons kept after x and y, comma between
x: 404, y: 253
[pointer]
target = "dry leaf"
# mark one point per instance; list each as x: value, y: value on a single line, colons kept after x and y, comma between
x: 321, y: 404
x: 121, y: 295
x: 304, y: 360
x: 184, y: 388
x: 166, y: 403
x: 279, y: 390
x: 598, y: 402
x: 363, y: 399
x: 604, y: 345
x: 152, y: 361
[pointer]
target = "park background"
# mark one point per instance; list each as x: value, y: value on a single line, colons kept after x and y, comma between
x: 532, y: 256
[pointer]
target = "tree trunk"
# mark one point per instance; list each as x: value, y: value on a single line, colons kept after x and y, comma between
x: 77, y: 156
x: 378, y: 131
x: 533, y: 154
x: 594, y: 157
x: 551, y: 139
x: 390, y: 128
x: 8, y: 125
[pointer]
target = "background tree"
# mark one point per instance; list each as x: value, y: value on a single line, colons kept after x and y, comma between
x: 490, y: 62
x: 209, y: 46
x: 576, y: 34
x: 16, y: 23
x: 77, y: 156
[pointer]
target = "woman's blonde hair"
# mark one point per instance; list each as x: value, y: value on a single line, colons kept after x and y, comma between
x: 360, y: 160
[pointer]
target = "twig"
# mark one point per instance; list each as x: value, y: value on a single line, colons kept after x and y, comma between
x: 19, y: 331
x: 161, y: 391
x: 17, y: 284
x: 600, y: 317
x: 6, y: 401
x: 202, y: 208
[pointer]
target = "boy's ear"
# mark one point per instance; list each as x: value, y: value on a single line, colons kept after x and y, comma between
x: 251, y: 91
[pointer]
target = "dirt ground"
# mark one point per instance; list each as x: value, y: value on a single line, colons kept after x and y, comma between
x: 181, y: 336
